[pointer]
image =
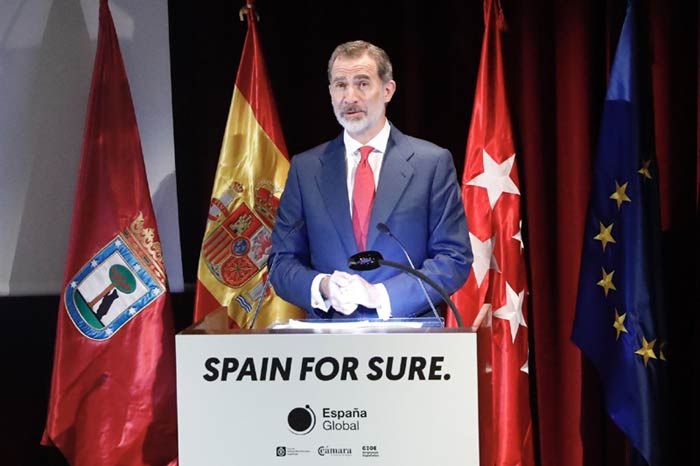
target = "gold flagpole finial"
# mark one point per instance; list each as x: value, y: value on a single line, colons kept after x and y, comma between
x: 247, y: 9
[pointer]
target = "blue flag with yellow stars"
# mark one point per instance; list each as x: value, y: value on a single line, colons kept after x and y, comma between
x: 620, y: 314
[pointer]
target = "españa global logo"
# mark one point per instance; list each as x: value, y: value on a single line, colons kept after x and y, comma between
x: 117, y: 283
x: 301, y: 421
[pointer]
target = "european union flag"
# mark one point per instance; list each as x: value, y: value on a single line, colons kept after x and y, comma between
x: 620, y: 314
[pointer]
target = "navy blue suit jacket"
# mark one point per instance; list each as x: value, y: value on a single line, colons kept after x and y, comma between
x: 418, y: 197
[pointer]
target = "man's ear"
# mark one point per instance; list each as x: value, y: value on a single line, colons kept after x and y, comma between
x: 389, y: 89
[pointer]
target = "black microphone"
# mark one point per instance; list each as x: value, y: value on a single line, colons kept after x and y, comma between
x: 384, y: 228
x: 270, y: 266
x: 370, y: 260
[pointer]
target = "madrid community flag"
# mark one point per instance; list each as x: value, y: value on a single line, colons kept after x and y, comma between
x: 494, y: 296
x: 620, y: 314
x: 250, y: 176
x: 112, y: 400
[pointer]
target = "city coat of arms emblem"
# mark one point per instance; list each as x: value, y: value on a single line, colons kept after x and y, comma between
x: 116, y: 284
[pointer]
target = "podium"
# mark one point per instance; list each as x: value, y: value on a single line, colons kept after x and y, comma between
x: 345, y: 394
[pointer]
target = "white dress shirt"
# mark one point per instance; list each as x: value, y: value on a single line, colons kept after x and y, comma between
x: 352, y: 159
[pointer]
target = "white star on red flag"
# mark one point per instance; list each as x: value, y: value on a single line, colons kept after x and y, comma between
x: 519, y: 236
x: 526, y: 367
x: 512, y: 311
x: 495, y: 178
x: 483, y: 257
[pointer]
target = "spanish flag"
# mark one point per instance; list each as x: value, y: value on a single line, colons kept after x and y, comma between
x: 250, y: 176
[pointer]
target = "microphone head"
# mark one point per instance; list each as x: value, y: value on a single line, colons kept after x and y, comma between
x: 365, y: 260
x: 382, y: 227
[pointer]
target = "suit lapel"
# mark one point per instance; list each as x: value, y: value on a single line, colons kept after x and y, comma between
x: 394, y: 177
x: 332, y: 183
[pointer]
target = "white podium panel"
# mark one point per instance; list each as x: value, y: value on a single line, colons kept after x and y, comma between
x: 291, y: 398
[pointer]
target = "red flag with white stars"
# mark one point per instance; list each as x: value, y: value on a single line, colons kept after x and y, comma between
x: 493, y: 297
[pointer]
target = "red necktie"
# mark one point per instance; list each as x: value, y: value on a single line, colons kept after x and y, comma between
x: 362, y: 198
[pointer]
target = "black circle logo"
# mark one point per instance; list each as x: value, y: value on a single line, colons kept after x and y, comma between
x: 301, y: 420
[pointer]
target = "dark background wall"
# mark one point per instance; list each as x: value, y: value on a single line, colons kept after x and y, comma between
x: 435, y: 49
x: 435, y: 52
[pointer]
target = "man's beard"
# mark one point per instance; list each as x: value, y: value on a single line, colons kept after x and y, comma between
x: 356, y: 125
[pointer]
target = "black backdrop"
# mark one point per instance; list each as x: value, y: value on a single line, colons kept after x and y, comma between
x: 435, y: 68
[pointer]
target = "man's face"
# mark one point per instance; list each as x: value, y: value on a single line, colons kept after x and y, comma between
x: 358, y: 95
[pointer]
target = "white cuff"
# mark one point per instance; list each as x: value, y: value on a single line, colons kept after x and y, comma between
x: 384, y: 307
x: 317, y: 301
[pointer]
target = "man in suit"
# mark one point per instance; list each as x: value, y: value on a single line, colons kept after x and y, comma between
x: 337, y: 193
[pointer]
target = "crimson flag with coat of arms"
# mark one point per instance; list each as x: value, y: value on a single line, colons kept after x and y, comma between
x: 112, y: 399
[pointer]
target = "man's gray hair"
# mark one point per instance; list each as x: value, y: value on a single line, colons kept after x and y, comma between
x: 358, y: 48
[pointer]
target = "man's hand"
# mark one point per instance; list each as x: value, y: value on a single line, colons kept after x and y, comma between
x: 332, y: 288
x: 346, y: 291
x: 359, y: 291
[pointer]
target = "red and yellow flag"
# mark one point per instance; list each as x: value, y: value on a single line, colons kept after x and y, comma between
x: 494, y: 296
x: 250, y: 176
x: 112, y: 399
